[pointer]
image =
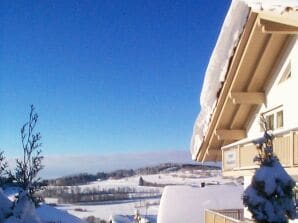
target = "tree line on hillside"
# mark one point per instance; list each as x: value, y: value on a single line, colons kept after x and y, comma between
x: 84, y: 178
x: 76, y: 194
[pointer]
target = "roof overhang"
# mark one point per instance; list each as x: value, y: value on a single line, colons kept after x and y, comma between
x: 264, y: 37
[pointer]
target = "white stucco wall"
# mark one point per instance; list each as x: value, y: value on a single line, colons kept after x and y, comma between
x: 247, y: 182
x: 283, y: 94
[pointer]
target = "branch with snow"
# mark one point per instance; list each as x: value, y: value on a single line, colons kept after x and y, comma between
x: 270, y: 196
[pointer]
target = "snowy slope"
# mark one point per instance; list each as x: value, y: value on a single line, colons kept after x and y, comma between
x: 187, y: 204
x: 50, y: 214
x: 104, y: 210
x: 24, y: 209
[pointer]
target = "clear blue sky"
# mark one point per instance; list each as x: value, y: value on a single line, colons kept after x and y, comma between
x: 105, y: 76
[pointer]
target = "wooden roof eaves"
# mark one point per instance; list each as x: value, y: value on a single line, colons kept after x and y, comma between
x: 247, y: 32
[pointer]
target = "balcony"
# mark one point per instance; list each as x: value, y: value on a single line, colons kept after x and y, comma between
x: 238, y: 157
x: 224, y: 216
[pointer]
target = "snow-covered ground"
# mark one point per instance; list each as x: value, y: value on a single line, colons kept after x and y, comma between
x: 148, y: 206
x: 50, y: 214
x: 24, y: 211
x: 105, y: 210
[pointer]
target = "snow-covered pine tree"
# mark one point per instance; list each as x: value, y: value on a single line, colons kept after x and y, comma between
x: 3, y: 166
x: 270, y: 196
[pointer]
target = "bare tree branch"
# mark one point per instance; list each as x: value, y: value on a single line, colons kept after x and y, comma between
x: 27, y: 169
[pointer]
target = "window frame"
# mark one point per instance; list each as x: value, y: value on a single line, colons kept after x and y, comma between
x: 273, y: 115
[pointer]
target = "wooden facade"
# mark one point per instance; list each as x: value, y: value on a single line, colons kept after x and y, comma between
x: 238, y: 157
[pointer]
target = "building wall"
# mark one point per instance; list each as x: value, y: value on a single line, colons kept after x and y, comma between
x: 247, y: 182
x: 281, y: 95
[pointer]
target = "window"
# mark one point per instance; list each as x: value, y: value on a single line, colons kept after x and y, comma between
x: 270, y: 121
x: 274, y: 118
x: 279, y: 119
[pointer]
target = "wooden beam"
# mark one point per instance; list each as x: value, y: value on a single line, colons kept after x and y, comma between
x: 275, y: 27
x: 213, y: 152
x: 212, y: 155
x: 226, y: 134
x: 254, y: 98
x: 289, y: 18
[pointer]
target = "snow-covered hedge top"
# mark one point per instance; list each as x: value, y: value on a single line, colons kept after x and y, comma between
x: 224, y: 49
x: 187, y: 204
x: 5, y: 205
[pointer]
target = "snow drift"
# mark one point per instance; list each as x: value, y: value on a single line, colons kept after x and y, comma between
x: 187, y: 204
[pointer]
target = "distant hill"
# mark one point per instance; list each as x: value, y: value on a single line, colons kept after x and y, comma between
x: 83, y: 178
x: 172, y: 167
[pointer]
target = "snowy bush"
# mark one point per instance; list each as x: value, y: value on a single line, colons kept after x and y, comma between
x: 270, y: 196
x: 21, y: 210
x: 24, y: 210
x: 5, y: 206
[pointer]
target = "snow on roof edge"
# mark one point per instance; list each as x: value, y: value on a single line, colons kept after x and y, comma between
x: 217, y: 68
x: 224, y: 49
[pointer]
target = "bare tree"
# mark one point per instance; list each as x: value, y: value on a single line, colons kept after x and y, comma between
x: 29, y: 166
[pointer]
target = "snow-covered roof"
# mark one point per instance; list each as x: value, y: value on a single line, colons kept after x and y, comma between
x: 187, y: 204
x: 216, y: 71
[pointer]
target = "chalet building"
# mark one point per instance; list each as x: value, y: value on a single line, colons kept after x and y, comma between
x: 253, y: 72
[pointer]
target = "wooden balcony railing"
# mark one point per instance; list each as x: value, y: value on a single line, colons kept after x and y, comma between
x: 239, y: 156
x: 224, y: 216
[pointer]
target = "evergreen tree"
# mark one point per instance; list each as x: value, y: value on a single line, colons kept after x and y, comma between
x: 270, y: 196
x: 3, y: 166
x: 141, y: 181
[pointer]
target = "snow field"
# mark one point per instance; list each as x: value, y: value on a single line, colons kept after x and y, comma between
x: 104, y: 210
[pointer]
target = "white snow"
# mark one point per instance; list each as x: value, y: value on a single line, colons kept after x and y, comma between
x: 105, y: 210
x: 272, y: 174
x: 228, y: 39
x: 5, y: 205
x: 278, y: 6
x: 50, y: 214
x: 120, y: 219
x: 22, y: 210
x: 273, y: 180
x: 187, y: 204
x: 127, y: 208
x: 217, y: 68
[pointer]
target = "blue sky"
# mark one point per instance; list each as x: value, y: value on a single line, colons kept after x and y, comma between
x: 106, y: 77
